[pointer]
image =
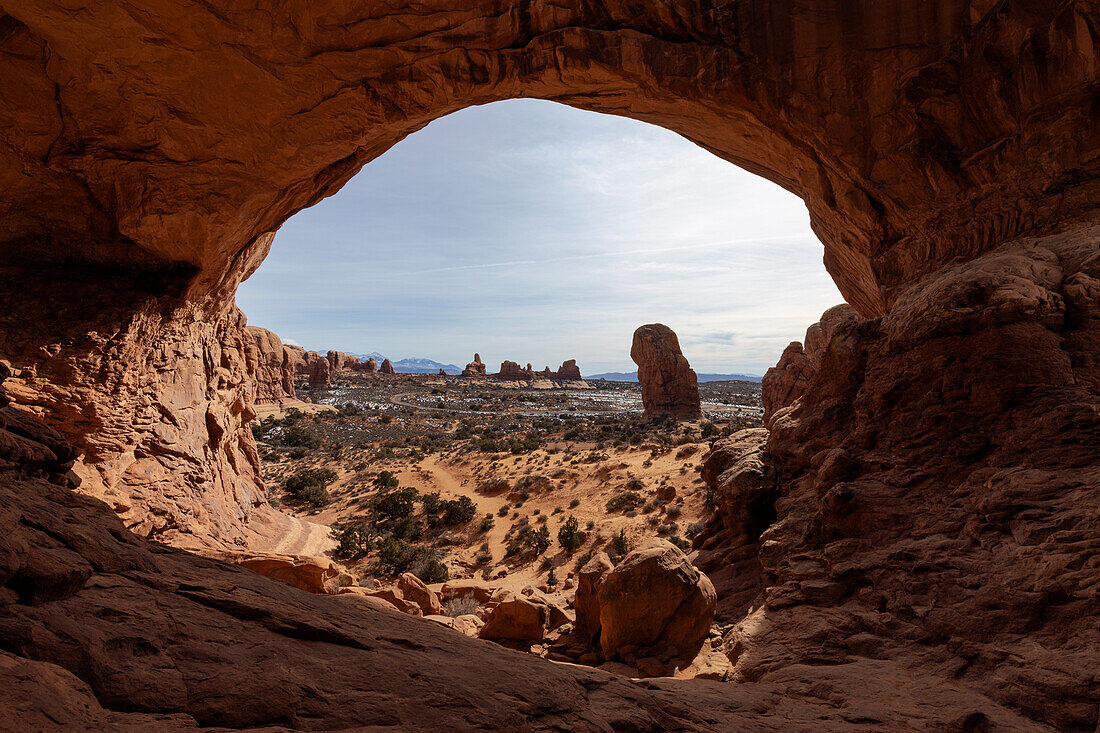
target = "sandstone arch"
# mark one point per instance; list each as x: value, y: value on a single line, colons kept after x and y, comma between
x: 947, y: 151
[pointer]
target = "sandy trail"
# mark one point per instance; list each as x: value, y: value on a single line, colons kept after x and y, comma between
x: 447, y: 483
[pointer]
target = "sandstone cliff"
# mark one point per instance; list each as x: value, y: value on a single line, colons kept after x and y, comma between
x: 273, y: 364
x: 931, y: 561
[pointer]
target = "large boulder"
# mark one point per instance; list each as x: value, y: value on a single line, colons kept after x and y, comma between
x: 479, y: 590
x: 517, y: 618
x: 655, y: 598
x: 669, y: 385
x: 313, y: 574
x: 413, y: 589
x: 587, y: 600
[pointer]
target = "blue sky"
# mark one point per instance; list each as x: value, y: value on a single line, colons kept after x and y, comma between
x: 531, y: 231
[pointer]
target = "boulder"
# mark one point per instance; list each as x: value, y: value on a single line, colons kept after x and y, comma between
x: 517, y: 618
x: 655, y: 598
x: 587, y: 602
x: 313, y: 574
x: 669, y: 386
x: 479, y: 590
x: 413, y: 589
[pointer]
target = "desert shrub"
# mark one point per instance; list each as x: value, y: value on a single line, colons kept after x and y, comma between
x: 394, y: 506
x: 569, y: 536
x: 349, y: 409
x: 625, y: 500
x: 461, y: 606
x: 352, y: 541
x: 311, y: 486
x: 297, y: 454
x: 395, y: 556
x: 532, y: 482
x: 454, y: 512
x: 386, y: 480
x: 430, y: 502
x: 583, y: 559
x: 620, y: 546
x: 385, y: 419
x: 487, y: 523
x: 297, y: 436
x: 488, y: 445
x: 693, y: 529
x: 551, y: 579
x: 503, y: 511
x: 430, y: 569
x: 680, y: 542
x: 574, y: 503
x: 709, y: 430
x: 673, y: 511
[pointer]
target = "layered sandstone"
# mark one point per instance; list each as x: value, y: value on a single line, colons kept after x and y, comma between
x: 669, y: 386
x: 273, y: 364
x: 475, y: 368
x: 930, y: 564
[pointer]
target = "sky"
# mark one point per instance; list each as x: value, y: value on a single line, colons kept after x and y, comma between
x: 532, y: 231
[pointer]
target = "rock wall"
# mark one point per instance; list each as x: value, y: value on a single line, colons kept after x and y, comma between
x: 273, y: 364
x: 931, y: 559
x: 928, y: 489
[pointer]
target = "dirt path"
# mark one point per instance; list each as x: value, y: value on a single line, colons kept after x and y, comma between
x: 304, y: 538
x: 446, y: 482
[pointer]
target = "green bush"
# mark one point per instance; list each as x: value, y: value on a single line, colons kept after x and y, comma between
x: 395, y: 505
x: 297, y: 436
x: 551, y: 579
x: 311, y: 486
x: 625, y: 500
x: 620, y: 546
x: 583, y: 559
x: 386, y: 480
x: 352, y: 541
x: 486, y: 523
x: 680, y: 542
x: 569, y: 536
x: 430, y: 570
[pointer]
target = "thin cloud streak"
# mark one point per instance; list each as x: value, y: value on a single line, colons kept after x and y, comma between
x: 536, y: 232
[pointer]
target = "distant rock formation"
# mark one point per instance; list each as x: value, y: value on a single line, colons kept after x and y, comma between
x: 669, y: 386
x: 569, y: 371
x: 442, y: 373
x: 273, y: 365
x: 510, y: 370
x: 386, y: 368
x: 475, y: 368
x: 370, y: 366
x: 317, y: 369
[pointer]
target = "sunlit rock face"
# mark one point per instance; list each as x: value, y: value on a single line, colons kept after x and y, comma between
x: 931, y: 447
x: 668, y: 383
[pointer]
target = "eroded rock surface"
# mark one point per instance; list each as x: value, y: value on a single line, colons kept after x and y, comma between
x: 669, y: 386
x: 655, y: 598
x: 932, y: 559
x: 275, y: 366
x: 935, y: 485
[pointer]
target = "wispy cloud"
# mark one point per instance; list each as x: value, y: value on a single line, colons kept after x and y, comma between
x: 532, y: 231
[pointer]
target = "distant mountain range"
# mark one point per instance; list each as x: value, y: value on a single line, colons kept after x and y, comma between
x: 413, y: 365
x: 633, y: 377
